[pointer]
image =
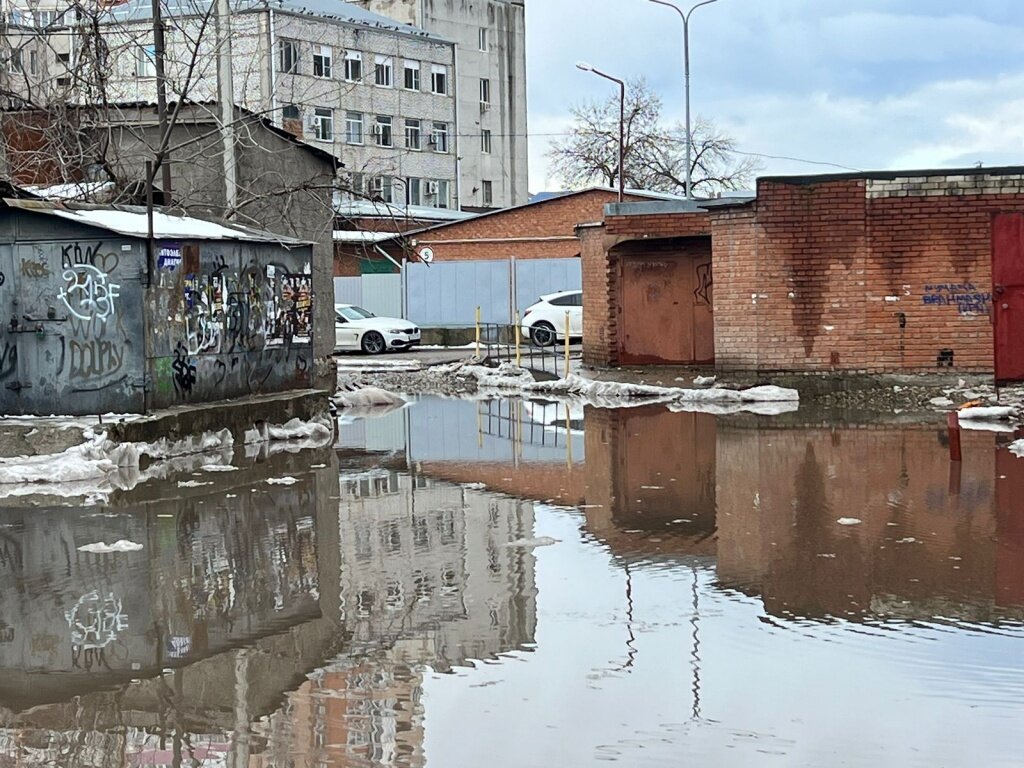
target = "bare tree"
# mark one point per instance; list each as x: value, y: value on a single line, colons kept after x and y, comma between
x: 655, y: 153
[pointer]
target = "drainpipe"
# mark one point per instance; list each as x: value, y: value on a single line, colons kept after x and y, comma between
x: 273, y: 65
x: 455, y: 143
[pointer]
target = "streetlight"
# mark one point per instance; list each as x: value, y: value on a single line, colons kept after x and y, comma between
x: 686, y: 67
x: 581, y: 65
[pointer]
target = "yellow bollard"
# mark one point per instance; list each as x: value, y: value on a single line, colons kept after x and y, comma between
x: 515, y: 332
x: 566, y: 343
x: 478, y: 331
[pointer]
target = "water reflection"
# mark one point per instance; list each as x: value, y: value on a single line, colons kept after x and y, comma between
x: 702, y: 604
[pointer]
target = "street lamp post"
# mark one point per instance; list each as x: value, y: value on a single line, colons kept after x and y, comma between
x: 622, y: 120
x: 686, y: 69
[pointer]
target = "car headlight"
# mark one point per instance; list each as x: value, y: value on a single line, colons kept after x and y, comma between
x: 396, y: 330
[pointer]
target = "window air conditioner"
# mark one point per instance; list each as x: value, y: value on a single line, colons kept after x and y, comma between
x: 430, y: 188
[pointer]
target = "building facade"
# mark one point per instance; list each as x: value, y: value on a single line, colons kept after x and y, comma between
x: 378, y: 94
x: 490, y: 37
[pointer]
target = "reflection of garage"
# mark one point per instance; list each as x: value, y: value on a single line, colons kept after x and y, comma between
x: 665, y: 301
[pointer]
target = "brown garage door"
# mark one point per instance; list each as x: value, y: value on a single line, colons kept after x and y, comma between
x: 665, y: 306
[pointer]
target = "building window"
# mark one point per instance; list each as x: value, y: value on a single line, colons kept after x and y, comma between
x: 357, y: 183
x: 482, y: 45
x: 381, y: 188
x: 413, y: 192
x: 354, y: 127
x: 145, y: 61
x: 33, y: 63
x: 44, y: 18
x: 485, y: 142
x: 323, y: 119
x: 439, y: 137
x: 382, y: 131
x: 412, y: 75
x: 383, y: 71
x: 15, y: 60
x: 412, y: 134
x: 288, y: 56
x: 488, y: 193
x: 353, y: 66
x: 322, y: 58
x: 485, y: 91
x: 439, y: 79
x: 290, y: 112
x: 437, y: 193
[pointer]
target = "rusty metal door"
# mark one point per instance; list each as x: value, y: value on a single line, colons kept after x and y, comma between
x: 665, y: 308
x: 1008, y: 295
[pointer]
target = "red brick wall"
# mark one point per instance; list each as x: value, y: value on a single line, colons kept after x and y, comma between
x: 600, y: 302
x: 601, y: 270
x: 817, y: 276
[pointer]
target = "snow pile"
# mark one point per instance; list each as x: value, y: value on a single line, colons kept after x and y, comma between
x: 288, y: 480
x: 540, y: 541
x: 509, y: 378
x: 848, y: 521
x: 987, y: 413
x: 297, y: 429
x: 102, y: 548
x: 1017, y: 448
x: 368, y: 397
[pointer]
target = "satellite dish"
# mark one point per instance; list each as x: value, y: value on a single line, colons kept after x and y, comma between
x: 427, y: 254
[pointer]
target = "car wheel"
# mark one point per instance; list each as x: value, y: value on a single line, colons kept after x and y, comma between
x: 543, y: 334
x: 373, y: 343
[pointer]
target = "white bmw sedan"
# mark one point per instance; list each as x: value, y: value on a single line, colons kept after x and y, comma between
x: 356, y: 329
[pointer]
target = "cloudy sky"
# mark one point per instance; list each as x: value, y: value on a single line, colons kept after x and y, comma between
x: 867, y: 84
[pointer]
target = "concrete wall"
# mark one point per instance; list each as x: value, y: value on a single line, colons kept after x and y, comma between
x: 504, y: 64
x: 222, y: 319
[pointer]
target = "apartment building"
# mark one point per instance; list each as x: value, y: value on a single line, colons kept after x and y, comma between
x: 490, y: 39
x: 379, y: 94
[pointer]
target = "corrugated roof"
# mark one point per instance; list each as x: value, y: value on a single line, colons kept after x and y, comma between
x: 375, y: 209
x: 132, y: 221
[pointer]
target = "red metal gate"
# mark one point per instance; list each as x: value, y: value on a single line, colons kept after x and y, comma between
x: 1008, y: 295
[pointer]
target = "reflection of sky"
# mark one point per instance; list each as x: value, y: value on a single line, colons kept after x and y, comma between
x: 770, y: 693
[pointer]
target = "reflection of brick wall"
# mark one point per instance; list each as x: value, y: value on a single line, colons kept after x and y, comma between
x: 780, y: 493
x: 859, y: 274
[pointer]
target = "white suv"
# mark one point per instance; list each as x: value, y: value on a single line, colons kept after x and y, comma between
x: 544, y: 322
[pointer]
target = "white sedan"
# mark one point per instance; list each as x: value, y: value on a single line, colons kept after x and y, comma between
x: 544, y: 322
x: 356, y: 329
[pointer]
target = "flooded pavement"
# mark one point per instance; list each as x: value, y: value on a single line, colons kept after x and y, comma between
x: 517, y: 583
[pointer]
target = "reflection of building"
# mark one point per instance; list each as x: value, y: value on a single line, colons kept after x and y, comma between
x: 426, y: 581
x: 764, y: 502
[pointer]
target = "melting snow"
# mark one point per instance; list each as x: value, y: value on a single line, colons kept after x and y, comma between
x: 102, y: 548
x: 848, y: 521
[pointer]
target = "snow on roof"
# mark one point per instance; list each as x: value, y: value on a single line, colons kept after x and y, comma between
x: 139, y: 10
x: 371, y: 208
x: 134, y: 223
x: 75, y: 190
x: 359, y: 236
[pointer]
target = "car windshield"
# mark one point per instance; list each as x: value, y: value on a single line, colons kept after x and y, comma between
x: 355, y: 313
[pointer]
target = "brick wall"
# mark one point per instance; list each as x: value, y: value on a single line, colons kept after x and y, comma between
x: 600, y: 298
x: 859, y: 274
x: 601, y: 272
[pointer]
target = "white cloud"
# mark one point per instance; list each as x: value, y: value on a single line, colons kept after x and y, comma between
x: 888, y: 84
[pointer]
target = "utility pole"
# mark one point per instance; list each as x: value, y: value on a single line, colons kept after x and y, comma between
x: 161, y: 105
x: 226, y: 98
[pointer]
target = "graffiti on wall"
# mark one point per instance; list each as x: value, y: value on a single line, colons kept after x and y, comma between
x: 966, y: 297
x: 97, y: 340
x: 95, y: 622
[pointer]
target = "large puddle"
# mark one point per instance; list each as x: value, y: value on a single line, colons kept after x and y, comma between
x: 512, y: 583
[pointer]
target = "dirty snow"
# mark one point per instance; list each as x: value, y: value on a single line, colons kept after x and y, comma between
x: 987, y: 412
x: 368, y: 397
x: 509, y: 378
x: 102, y: 548
x: 1017, y: 448
x: 297, y: 429
x: 848, y: 521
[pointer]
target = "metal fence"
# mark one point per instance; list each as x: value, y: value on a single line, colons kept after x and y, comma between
x: 503, y: 342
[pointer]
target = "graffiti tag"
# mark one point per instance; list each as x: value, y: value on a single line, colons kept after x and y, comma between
x: 96, y: 621
x: 184, y: 370
x: 964, y: 296
x: 34, y: 269
x: 88, y: 293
